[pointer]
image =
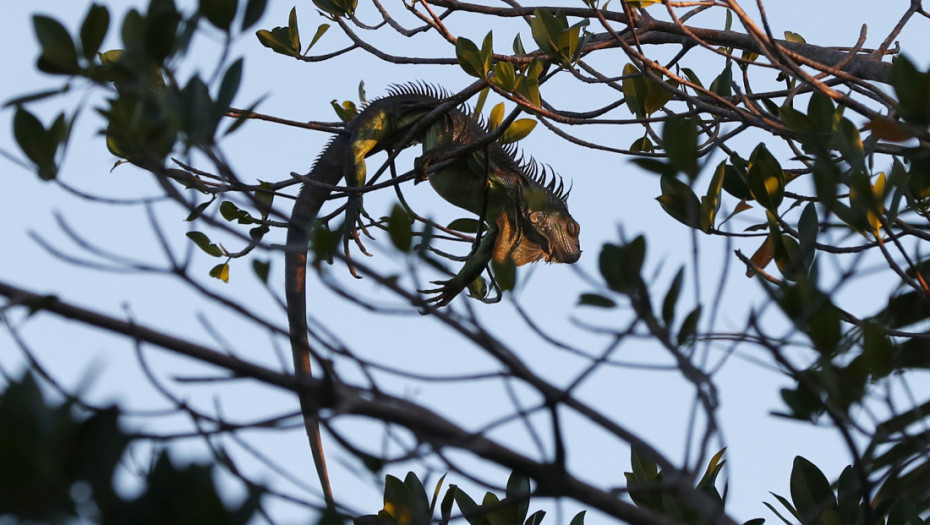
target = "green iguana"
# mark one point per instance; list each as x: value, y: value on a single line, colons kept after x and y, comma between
x: 526, y: 214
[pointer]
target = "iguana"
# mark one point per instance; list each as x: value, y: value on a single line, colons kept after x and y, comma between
x: 525, y: 210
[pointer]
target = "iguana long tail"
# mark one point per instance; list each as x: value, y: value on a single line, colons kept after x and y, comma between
x: 328, y: 170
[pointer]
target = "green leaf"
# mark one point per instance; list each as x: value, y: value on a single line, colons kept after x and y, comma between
x: 445, y: 508
x: 397, y: 498
x: 258, y: 232
x: 825, y: 331
x: 642, y: 482
x: 528, y: 82
x: 822, y: 111
x: 643, y: 144
x: 231, y: 213
x: 671, y: 298
x: 749, y: 56
x: 710, y: 203
x: 518, y: 48
x: 487, y: 52
x: 535, y: 518
x: 159, y: 30
x: 432, y: 505
x: 316, y: 37
x: 808, y: 228
x: 58, y: 53
x: 254, y: 10
x: 261, y: 269
x: 621, y: 265
x: 655, y: 166
x: 30, y: 135
x: 198, y: 210
x: 39, y: 145
x: 735, y: 178
x: 337, y: 8
x: 679, y: 139
x: 722, y: 85
x: 913, y: 90
x: 470, y: 510
x: 795, y: 120
x: 878, y: 352
x: 464, y: 225
x: 905, y: 309
x: 94, y: 30
x: 635, y: 91
x: 765, y: 178
x: 229, y: 87
x: 198, y: 114
x: 496, y: 117
x: 264, y: 197
x: 346, y: 111
x: 203, y: 242
x: 546, y: 28
x: 657, y: 95
x: 220, y: 13
x: 468, y: 56
x: 578, y: 519
x: 850, y: 144
x: 679, y: 201
x: 848, y: 493
x: 278, y: 40
x: 419, y: 503
x: 505, y: 76
x: 518, y: 493
x: 505, y: 273
x: 692, y: 77
x: 32, y: 97
x: 399, y: 228
x: 787, y: 256
x: 810, y: 490
x: 593, y: 299
x: 689, y: 327
x: 713, y: 469
x: 518, y: 130
x: 293, y: 32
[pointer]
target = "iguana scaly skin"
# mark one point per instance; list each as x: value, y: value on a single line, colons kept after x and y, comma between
x: 524, y: 209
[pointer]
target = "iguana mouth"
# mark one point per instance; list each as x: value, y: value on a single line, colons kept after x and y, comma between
x: 568, y: 256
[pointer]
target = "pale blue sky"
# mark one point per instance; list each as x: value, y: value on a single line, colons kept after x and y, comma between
x: 609, y: 194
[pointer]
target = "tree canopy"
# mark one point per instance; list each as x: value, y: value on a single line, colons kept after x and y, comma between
x: 772, y: 188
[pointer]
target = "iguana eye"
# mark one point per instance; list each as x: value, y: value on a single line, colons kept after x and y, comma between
x: 572, y: 228
x: 536, y: 217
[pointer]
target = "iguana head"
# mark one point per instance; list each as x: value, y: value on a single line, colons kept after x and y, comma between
x: 539, y: 227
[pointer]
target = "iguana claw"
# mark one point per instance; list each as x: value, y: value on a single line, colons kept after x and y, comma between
x: 353, y: 223
x: 448, y: 291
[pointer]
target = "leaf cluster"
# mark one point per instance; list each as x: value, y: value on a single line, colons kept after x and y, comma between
x: 59, y: 465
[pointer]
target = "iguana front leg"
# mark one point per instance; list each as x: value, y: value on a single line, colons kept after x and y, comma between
x: 474, y: 265
x: 365, y: 138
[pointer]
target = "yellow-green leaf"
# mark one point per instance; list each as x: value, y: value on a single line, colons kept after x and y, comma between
x: 634, y: 90
x: 221, y: 272
x: 791, y: 36
x: 497, y: 115
x: 518, y: 130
